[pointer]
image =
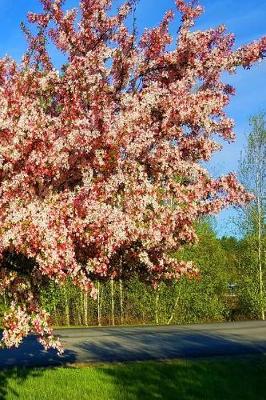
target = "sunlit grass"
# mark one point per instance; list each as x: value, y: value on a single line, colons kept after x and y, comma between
x: 209, y: 379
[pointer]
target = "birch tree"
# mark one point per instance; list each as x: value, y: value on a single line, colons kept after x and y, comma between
x: 253, y: 176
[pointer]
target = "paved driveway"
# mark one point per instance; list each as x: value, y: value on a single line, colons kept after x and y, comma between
x: 88, y: 345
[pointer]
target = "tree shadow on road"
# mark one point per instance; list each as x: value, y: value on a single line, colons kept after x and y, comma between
x: 153, y: 346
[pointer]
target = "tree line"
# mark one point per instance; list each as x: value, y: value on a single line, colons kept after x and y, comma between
x: 227, y: 288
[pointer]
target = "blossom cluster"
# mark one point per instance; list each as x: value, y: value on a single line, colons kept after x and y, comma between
x: 101, y: 162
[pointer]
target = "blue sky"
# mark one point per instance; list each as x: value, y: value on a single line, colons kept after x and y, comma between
x: 244, y: 18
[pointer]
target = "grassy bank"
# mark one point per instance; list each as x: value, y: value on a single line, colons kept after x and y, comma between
x: 208, y: 379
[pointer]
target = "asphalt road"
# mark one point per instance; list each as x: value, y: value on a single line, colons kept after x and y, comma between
x: 89, y: 345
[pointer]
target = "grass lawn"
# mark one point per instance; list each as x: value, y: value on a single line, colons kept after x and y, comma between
x: 238, y: 378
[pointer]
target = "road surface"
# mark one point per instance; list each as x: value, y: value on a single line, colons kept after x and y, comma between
x: 89, y: 345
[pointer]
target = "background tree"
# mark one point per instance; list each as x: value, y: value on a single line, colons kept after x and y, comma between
x: 253, y: 176
x: 89, y: 155
x: 205, y: 298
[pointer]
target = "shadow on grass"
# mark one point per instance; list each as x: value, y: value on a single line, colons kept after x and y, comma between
x: 15, y: 363
x: 217, y: 379
x: 19, y: 374
x: 230, y: 378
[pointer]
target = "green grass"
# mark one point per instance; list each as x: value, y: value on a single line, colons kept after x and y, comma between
x: 209, y: 379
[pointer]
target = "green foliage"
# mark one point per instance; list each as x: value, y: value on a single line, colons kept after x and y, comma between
x: 187, y: 301
x: 252, y: 173
x: 222, y: 262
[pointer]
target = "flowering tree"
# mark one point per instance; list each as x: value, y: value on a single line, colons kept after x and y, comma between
x: 100, y: 163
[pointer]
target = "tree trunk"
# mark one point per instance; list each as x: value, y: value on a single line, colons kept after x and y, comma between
x: 112, y: 302
x: 121, y: 302
x: 175, y: 306
x: 259, y: 210
x: 85, y: 308
x: 157, y: 306
x: 99, y: 304
x: 54, y: 314
x: 67, y: 313
x: 77, y: 311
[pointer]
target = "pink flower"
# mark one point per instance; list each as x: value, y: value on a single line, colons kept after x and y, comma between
x: 100, y: 162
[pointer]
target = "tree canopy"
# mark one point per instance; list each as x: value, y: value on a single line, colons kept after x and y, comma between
x: 101, y: 162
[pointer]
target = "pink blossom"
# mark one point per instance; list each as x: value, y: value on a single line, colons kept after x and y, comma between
x: 100, y: 162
